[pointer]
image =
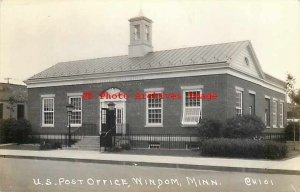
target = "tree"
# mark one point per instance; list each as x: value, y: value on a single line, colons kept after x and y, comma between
x: 294, y: 99
x: 11, y: 102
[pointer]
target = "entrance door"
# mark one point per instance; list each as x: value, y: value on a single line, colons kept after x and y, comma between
x: 120, y: 117
x: 20, y: 111
x: 108, y: 127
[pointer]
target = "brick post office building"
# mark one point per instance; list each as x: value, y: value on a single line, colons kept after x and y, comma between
x: 229, y: 70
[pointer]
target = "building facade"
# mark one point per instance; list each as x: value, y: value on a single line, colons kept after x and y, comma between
x: 161, y: 92
x: 13, y: 101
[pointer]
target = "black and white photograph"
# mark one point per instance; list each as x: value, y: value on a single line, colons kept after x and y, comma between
x: 150, y: 95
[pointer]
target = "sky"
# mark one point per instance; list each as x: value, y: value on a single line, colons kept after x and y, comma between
x: 37, y: 34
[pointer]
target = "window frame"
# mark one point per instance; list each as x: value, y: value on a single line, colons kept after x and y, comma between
x: 275, y: 113
x: 239, y: 91
x: 147, y: 92
x: 281, y: 104
x: 147, y: 32
x: 184, y: 91
x: 43, y: 111
x: 268, y: 120
x: 74, y: 110
x: 137, y: 32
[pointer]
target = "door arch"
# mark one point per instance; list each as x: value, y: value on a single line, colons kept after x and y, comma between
x: 120, y: 105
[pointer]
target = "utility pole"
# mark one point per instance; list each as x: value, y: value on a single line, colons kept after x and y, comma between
x: 7, y: 78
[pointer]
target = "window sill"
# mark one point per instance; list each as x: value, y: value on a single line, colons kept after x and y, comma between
x: 189, y: 125
x: 46, y: 126
x: 268, y: 127
x: 154, y: 126
x: 76, y: 125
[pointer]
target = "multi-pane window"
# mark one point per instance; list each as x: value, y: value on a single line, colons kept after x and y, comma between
x: 275, y: 110
x: 77, y: 111
x: 267, y: 112
x: 48, y: 112
x: 281, y: 115
x: 154, y: 108
x: 137, y: 32
x: 239, y: 103
x: 192, y: 107
x: 147, y: 32
x: 119, y: 116
x: 103, y: 119
x: 1, y: 110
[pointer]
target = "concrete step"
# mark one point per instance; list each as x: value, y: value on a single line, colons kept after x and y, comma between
x: 87, y: 143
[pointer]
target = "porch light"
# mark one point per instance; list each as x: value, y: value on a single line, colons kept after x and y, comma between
x: 111, y: 106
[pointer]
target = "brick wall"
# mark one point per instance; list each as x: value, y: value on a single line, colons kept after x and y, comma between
x: 222, y: 108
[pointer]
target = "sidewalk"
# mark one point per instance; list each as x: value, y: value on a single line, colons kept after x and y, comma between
x: 288, y: 166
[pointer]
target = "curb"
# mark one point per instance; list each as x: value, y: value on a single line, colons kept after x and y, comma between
x: 164, y: 165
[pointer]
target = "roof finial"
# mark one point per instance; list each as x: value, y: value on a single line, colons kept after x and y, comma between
x: 141, y: 14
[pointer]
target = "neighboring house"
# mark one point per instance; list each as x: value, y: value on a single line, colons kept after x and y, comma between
x: 229, y: 70
x: 13, y: 101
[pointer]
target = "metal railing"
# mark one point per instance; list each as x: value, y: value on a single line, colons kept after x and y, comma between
x: 165, y: 141
x: 62, y: 138
x: 274, y: 136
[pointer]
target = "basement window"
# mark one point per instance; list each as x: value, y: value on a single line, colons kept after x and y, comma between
x: 154, y: 145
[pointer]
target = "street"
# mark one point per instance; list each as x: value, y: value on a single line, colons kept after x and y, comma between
x: 45, y: 175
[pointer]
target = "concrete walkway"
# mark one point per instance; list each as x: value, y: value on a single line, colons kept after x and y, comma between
x: 288, y: 166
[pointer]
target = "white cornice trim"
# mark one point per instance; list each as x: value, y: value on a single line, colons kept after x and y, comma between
x: 74, y: 94
x: 182, y: 72
x: 252, y: 92
x: 154, y: 89
x: 192, y: 87
x: 48, y: 96
x: 239, y: 88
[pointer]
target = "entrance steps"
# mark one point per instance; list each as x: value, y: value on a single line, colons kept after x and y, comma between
x: 91, y: 143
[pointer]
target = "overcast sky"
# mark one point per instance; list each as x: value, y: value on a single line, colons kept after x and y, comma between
x: 36, y: 34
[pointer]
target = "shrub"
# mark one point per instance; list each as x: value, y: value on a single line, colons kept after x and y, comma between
x: 50, y: 145
x: 126, y: 146
x: 7, y: 128
x: 289, y: 131
x: 209, y: 128
x: 22, y: 131
x: 247, y: 126
x: 244, y: 148
x: 16, y: 131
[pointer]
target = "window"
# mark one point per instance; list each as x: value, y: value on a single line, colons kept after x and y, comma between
x: 267, y: 112
x: 1, y: 110
x: 246, y: 61
x: 281, y: 115
x: 239, y: 103
x: 77, y: 111
x: 252, y: 104
x: 147, y: 32
x: 154, y: 107
x: 103, y: 113
x: 136, y: 32
x: 20, y: 111
x: 275, y: 110
x: 48, y: 112
x: 192, y: 106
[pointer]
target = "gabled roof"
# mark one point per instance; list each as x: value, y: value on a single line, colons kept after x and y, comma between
x: 202, y: 55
